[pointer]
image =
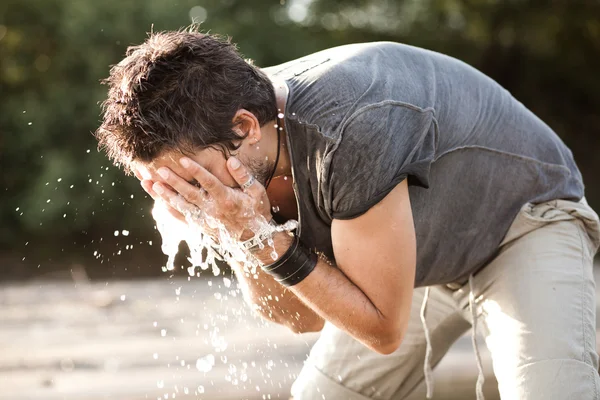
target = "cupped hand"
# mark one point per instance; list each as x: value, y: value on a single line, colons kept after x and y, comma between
x: 240, y: 212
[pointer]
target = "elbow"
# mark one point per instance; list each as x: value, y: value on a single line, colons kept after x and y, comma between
x: 387, y: 346
x: 388, y: 340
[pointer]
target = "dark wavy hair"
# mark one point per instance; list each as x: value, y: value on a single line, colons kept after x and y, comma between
x: 180, y: 90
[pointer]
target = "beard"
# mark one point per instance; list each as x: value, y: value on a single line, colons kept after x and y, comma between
x: 260, y: 169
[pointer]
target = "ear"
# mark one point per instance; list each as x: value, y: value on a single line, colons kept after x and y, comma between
x: 245, y: 123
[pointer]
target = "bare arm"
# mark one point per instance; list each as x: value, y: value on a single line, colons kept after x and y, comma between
x: 369, y: 293
x: 273, y: 301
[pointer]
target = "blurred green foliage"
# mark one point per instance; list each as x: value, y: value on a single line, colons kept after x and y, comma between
x: 60, y: 197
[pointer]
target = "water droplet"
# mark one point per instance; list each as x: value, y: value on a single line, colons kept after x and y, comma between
x: 206, y: 363
x: 160, y: 384
x: 30, y: 123
x: 274, y: 255
x: 155, y: 356
x: 116, y: 233
x: 227, y: 282
x: 125, y: 232
x: 280, y: 115
x: 200, y: 389
x: 163, y: 332
x: 87, y: 151
x: 123, y: 297
x: 275, y: 209
x: 178, y: 291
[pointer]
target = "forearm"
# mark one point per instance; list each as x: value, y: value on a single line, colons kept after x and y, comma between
x: 338, y: 300
x: 272, y: 300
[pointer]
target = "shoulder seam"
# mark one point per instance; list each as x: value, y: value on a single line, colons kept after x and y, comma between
x: 383, y: 104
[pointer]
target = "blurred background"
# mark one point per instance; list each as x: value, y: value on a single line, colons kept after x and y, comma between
x: 84, y: 304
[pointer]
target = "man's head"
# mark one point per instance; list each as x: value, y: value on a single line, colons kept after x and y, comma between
x: 183, y: 91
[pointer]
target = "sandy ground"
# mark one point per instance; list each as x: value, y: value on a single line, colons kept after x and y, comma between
x: 163, y: 339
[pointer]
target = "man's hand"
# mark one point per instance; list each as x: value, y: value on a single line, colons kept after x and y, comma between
x: 241, y: 212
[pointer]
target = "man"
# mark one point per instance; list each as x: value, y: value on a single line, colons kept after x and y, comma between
x: 405, y: 169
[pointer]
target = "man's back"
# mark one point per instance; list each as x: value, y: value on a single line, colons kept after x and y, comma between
x: 361, y: 118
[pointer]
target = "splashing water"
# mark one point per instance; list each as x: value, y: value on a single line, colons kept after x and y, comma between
x: 206, y: 363
x: 209, y: 241
x: 225, y: 247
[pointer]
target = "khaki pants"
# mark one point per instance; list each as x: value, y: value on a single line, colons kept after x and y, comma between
x: 535, y: 304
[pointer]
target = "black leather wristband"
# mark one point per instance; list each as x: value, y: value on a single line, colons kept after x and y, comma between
x: 295, y: 265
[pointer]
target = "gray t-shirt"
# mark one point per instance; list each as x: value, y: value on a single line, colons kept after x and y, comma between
x: 361, y: 118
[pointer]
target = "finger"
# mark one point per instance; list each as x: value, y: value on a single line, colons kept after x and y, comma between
x: 208, y: 181
x: 174, y: 213
x: 147, y: 186
x: 191, y: 193
x: 241, y: 175
x: 141, y: 172
x: 172, y: 198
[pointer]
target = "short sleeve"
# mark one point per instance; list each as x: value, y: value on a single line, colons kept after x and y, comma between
x: 379, y: 147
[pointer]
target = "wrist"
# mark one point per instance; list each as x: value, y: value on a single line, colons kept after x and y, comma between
x: 294, y: 265
x: 281, y: 243
x: 251, y: 240
x: 247, y: 235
